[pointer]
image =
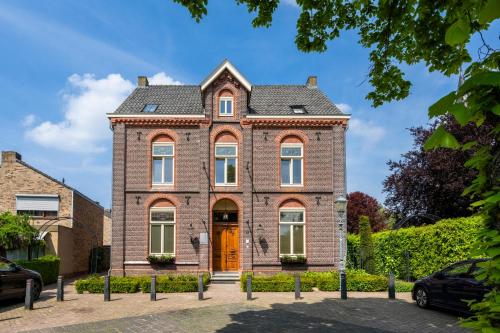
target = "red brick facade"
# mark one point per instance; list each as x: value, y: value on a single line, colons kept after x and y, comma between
x: 258, y: 193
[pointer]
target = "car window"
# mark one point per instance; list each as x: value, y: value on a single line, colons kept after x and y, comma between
x: 458, y: 270
x: 4, y: 265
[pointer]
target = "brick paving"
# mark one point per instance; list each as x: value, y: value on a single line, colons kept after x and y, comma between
x: 225, y: 309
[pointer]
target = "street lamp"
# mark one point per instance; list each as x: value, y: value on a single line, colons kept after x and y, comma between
x: 341, y: 208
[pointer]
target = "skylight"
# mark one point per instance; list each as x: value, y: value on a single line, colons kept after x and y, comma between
x: 150, y: 108
x: 298, y: 109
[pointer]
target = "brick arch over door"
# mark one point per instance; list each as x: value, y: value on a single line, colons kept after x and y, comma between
x: 292, y: 136
x: 162, y: 135
x: 160, y: 200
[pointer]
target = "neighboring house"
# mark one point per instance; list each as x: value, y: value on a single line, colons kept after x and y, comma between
x: 226, y: 176
x: 70, y: 223
x: 106, y: 229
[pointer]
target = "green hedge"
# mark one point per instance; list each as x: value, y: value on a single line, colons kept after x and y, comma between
x: 132, y: 284
x: 430, y: 248
x: 47, y: 266
x: 277, y: 282
x: 357, y: 280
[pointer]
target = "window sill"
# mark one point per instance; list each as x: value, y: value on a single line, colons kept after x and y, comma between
x: 226, y: 115
x: 291, y: 185
x: 226, y: 185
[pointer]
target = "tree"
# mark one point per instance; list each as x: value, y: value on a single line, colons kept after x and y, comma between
x: 358, y: 204
x: 433, y: 181
x: 366, y: 245
x: 435, y: 33
x: 16, y: 232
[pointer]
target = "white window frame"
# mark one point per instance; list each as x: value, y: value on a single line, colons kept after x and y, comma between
x: 291, y: 158
x: 303, y: 223
x: 163, y: 157
x: 226, y: 99
x: 225, y: 157
x: 162, y: 234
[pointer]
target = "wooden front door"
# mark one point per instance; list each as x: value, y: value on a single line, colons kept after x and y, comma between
x: 225, y: 247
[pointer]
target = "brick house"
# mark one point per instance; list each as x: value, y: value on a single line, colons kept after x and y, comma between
x: 226, y: 176
x: 70, y: 223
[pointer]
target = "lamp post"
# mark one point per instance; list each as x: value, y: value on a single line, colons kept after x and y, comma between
x: 341, y: 208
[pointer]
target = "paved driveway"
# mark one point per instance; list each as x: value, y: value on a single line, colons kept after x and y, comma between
x: 226, y: 310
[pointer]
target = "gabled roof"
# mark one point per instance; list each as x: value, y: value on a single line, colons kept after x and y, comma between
x: 219, y: 69
x: 184, y: 100
x: 273, y: 100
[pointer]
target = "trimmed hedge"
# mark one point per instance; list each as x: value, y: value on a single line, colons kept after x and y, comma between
x: 430, y: 248
x: 357, y: 280
x: 277, y: 282
x: 132, y: 284
x: 47, y: 266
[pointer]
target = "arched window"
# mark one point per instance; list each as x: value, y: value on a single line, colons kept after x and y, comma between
x: 292, y: 229
x: 226, y: 104
x: 162, y: 228
x: 226, y: 160
x: 292, y: 158
x: 163, y: 161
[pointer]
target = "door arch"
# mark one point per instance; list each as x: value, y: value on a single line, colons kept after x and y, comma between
x: 225, y: 236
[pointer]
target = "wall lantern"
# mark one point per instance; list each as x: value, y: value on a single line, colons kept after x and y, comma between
x: 341, y: 205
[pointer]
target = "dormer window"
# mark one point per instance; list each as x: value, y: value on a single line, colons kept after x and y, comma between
x: 150, y: 108
x: 225, y: 106
x: 298, y: 109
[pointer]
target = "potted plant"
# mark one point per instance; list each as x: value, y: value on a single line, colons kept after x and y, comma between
x: 293, y: 260
x: 165, y: 259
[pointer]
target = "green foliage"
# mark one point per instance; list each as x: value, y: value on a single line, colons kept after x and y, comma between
x: 47, y: 266
x: 94, y: 284
x: 403, y: 286
x: 276, y: 283
x: 366, y: 245
x: 16, y: 232
x: 161, y: 260
x: 293, y: 260
x: 431, y: 248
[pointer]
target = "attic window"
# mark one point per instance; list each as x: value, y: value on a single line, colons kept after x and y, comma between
x: 298, y: 109
x: 150, y: 108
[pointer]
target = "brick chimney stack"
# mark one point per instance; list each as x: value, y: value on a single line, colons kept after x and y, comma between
x: 10, y: 157
x: 312, y: 81
x: 142, y: 81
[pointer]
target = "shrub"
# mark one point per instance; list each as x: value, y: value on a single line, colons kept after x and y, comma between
x: 47, y: 266
x: 161, y: 260
x: 430, y: 248
x: 293, y: 260
x: 118, y: 284
x: 359, y: 280
x: 174, y: 283
x: 403, y: 286
x: 366, y: 245
x: 276, y: 283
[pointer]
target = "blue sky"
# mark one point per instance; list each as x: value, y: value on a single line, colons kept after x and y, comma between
x: 64, y: 64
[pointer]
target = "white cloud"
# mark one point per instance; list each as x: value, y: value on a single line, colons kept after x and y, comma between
x: 162, y: 78
x: 84, y: 127
x: 28, y: 120
x: 292, y: 3
x: 344, y: 107
x: 369, y: 132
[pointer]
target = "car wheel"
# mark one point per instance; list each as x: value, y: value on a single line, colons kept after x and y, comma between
x: 422, y: 297
x: 37, y: 289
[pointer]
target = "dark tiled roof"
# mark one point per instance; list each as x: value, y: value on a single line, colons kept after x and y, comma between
x: 170, y: 100
x: 278, y: 99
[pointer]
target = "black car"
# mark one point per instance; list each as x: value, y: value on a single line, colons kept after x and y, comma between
x: 451, y: 287
x: 13, y: 280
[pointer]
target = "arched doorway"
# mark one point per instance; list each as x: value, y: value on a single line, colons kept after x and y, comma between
x: 225, y: 236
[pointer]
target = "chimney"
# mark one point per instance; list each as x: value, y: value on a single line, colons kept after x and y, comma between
x: 10, y: 157
x: 312, y: 81
x: 142, y: 82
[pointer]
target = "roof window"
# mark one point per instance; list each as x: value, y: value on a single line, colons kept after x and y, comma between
x: 298, y: 109
x: 150, y: 108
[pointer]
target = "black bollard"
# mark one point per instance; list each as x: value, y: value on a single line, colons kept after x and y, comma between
x: 200, y: 287
x: 153, y: 288
x: 60, y: 289
x: 28, y: 300
x: 392, y: 286
x: 343, y: 285
x: 249, y: 287
x: 106, y: 289
x: 297, y: 286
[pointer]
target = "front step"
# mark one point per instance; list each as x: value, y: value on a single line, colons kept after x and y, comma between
x: 225, y: 277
